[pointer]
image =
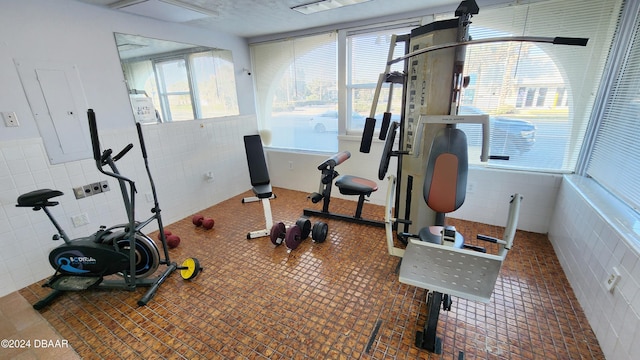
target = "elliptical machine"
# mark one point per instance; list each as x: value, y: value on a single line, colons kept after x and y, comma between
x: 122, y: 250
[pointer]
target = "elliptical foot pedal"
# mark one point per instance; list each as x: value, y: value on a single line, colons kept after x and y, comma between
x: 74, y: 283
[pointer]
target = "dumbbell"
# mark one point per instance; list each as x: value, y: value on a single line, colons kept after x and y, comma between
x: 293, y: 236
x: 199, y: 220
x: 172, y: 240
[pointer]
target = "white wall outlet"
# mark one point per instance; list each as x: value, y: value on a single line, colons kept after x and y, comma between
x: 88, y: 190
x: 613, y: 279
x: 10, y: 119
x: 149, y: 197
x: 290, y: 165
x: 80, y: 220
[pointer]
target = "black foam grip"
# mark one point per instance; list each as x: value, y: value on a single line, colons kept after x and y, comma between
x: 386, y: 120
x: 93, y: 131
x: 570, y: 41
x: 386, y: 152
x: 367, y: 135
x: 141, y: 139
x: 123, y: 152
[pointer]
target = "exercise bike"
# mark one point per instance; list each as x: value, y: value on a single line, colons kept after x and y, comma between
x: 121, y: 250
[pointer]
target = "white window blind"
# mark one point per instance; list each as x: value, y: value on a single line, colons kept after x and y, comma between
x: 366, y: 59
x: 539, y: 96
x: 297, y: 93
x: 615, y: 158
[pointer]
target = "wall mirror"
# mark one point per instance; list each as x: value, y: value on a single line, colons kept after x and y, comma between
x: 170, y: 81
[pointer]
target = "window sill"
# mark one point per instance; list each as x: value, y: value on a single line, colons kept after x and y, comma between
x: 619, y: 215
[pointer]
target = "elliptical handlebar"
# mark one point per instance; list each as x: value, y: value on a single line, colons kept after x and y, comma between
x: 123, y: 152
x: 105, y: 158
x: 141, y: 139
x: 93, y: 130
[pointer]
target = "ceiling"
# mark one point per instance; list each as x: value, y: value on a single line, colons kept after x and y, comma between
x: 256, y: 18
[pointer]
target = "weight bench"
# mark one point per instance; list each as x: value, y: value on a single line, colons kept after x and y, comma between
x: 347, y: 185
x: 261, y: 185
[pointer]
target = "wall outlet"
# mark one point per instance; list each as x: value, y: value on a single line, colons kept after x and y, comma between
x: 290, y: 165
x: 209, y: 176
x: 10, y: 119
x: 88, y: 190
x: 104, y: 186
x: 96, y: 188
x: 613, y: 279
x: 80, y: 220
x: 149, y: 197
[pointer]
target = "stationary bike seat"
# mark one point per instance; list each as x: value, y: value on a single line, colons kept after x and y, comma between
x: 39, y: 198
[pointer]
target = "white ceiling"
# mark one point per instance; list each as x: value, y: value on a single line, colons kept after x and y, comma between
x: 255, y: 18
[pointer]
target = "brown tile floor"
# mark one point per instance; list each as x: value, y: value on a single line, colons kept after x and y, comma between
x: 321, y: 301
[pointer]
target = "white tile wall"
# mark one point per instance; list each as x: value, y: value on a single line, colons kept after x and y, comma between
x: 179, y: 156
x: 591, y: 233
x: 488, y: 203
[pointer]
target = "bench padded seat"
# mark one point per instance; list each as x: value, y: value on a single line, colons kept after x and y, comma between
x: 354, y: 185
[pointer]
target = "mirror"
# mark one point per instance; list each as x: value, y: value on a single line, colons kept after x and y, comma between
x: 170, y: 81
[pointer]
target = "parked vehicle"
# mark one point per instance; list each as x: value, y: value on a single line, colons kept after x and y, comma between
x: 508, y: 136
x: 328, y: 121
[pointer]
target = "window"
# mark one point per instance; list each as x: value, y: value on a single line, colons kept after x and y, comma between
x: 366, y: 59
x: 185, y: 85
x: 539, y: 96
x: 175, y: 93
x: 297, y: 92
x: 514, y: 81
x: 615, y: 155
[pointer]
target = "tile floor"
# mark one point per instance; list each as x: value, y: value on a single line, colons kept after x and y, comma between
x: 321, y: 301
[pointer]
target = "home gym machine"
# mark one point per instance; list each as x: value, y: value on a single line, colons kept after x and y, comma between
x: 121, y: 250
x: 432, y: 155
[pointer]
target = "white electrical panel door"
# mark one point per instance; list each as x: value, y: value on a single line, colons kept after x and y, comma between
x: 59, y: 107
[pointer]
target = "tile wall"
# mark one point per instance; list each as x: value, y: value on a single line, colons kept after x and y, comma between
x: 179, y: 156
x: 591, y: 234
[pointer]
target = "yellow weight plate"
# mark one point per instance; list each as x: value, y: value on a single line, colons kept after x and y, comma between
x: 190, y: 268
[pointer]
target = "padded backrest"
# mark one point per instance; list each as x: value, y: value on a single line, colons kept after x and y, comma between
x: 445, y: 183
x: 255, y: 159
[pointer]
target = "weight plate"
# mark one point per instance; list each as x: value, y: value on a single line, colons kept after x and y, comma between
x: 190, y: 268
x: 277, y: 233
x: 305, y: 226
x: 319, y: 232
x: 293, y: 237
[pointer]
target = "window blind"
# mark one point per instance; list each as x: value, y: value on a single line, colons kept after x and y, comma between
x: 615, y: 157
x: 296, y: 91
